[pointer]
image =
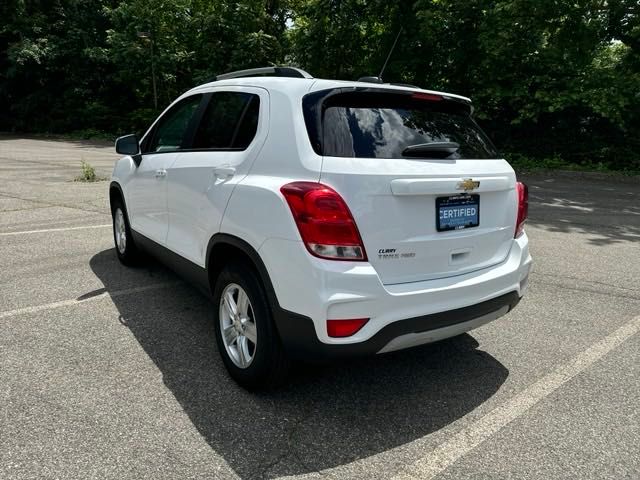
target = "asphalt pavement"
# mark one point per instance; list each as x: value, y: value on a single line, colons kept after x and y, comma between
x: 112, y: 372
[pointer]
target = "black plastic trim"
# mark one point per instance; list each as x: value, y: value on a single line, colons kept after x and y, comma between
x: 117, y: 186
x: 191, y: 272
x: 199, y: 276
x: 299, y: 336
x: 248, y: 250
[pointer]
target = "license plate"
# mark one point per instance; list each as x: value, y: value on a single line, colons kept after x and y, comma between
x: 457, y: 212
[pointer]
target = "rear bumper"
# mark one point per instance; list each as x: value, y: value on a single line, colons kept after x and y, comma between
x: 299, y: 337
x: 317, y: 290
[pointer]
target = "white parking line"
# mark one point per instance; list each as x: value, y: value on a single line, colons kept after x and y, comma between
x: 24, y: 232
x: 100, y: 296
x: 463, y: 442
x: 470, y: 437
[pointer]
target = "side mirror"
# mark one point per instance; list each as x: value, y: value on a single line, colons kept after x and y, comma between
x: 128, y: 145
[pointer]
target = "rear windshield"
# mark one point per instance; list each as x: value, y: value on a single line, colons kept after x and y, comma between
x: 382, y: 125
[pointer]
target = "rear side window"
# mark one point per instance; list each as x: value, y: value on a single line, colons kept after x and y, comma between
x: 170, y: 130
x: 383, y: 125
x: 229, y: 122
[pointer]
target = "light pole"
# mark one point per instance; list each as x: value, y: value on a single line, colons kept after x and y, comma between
x: 148, y: 36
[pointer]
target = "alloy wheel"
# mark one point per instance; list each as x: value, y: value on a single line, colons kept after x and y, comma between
x: 237, y: 325
x: 120, y: 231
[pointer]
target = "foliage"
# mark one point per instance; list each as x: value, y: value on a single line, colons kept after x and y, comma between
x: 549, y: 78
x: 522, y: 163
x: 88, y: 174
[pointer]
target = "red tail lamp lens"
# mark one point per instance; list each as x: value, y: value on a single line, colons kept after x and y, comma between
x: 324, y: 221
x: 522, y: 192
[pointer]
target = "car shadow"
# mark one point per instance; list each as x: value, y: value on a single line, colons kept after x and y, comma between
x: 326, y: 416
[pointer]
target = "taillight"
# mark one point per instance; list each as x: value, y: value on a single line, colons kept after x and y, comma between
x: 522, y: 192
x: 345, y: 328
x: 324, y: 221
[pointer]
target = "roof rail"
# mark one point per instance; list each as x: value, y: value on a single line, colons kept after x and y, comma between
x: 291, y: 72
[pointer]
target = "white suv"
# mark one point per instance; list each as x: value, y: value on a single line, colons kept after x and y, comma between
x: 325, y: 218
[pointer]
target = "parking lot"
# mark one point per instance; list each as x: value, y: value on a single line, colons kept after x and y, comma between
x: 112, y: 372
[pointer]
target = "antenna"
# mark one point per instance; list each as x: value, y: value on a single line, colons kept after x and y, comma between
x: 390, y: 52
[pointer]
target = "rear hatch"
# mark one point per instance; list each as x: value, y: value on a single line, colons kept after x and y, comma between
x: 446, y: 206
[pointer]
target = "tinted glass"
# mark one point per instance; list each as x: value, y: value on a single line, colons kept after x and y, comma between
x: 172, y: 126
x: 229, y: 122
x: 373, y: 125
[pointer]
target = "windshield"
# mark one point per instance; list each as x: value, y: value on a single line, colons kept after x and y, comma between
x: 375, y: 125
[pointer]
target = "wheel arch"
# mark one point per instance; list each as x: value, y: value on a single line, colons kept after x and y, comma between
x: 115, y: 191
x: 223, y: 248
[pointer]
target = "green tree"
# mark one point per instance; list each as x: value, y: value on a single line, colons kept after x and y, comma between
x: 548, y: 78
x: 55, y: 69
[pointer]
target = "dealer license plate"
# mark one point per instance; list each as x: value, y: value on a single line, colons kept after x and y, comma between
x: 457, y: 212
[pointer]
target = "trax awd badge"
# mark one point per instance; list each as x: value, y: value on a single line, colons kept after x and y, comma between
x: 468, y: 185
x: 392, y: 253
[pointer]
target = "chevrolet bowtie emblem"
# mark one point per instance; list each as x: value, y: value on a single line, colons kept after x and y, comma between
x: 468, y: 184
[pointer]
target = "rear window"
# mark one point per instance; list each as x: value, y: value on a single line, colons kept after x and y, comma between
x: 382, y: 125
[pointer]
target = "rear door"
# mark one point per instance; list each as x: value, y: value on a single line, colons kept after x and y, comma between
x: 230, y: 133
x: 147, y: 191
x: 443, y: 210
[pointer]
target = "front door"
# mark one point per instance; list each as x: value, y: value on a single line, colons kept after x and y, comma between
x: 147, y: 195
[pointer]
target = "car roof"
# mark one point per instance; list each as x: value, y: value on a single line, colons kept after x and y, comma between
x: 301, y: 86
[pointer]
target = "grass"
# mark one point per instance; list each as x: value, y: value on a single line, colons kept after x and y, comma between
x: 88, y: 174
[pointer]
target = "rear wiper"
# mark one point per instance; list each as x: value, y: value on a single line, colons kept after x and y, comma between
x: 431, y: 150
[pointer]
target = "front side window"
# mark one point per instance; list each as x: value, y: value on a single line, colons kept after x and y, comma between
x: 229, y: 122
x: 168, y: 135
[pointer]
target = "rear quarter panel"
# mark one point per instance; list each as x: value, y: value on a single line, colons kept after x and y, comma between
x: 257, y: 210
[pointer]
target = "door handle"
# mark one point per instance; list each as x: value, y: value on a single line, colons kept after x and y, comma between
x: 224, y: 172
x: 161, y: 173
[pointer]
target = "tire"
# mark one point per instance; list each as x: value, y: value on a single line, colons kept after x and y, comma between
x: 126, y: 249
x: 255, y: 365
